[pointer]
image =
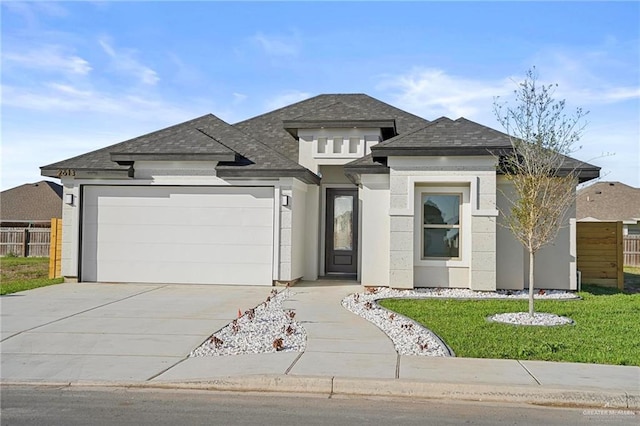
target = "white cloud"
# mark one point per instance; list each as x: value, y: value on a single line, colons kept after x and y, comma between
x: 278, y: 45
x: 432, y: 93
x: 286, y: 98
x: 30, y: 11
x: 49, y: 58
x: 599, y: 75
x: 613, y: 124
x: 55, y: 97
x: 239, y: 97
x: 124, y: 61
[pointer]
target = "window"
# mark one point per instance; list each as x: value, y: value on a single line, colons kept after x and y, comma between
x: 354, y: 143
x: 441, y: 226
x: 337, y: 145
x: 322, y: 145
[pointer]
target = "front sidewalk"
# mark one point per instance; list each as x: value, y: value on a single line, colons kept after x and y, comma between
x: 140, y: 336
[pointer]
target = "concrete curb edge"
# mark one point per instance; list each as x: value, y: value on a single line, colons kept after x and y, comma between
x: 404, y: 388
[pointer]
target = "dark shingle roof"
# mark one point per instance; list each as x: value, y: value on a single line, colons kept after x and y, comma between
x: 190, y: 138
x: 206, y: 137
x: 262, y: 147
x: 101, y: 158
x: 462, y: 137
x: 38, y: 201
x: 608, y: 201
x: 340, y: 111
x: 444, y: 136
x: 269, y: 127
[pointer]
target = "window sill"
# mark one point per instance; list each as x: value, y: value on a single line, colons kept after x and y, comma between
x: 448, y: 263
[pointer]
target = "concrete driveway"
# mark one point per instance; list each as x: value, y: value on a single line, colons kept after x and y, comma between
x: 111, y: 332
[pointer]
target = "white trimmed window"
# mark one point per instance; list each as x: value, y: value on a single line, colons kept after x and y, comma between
x: 441, y: 226
x: 337, y: 144
x: 322, y: 145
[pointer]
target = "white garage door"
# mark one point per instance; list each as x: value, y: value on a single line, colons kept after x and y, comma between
x: 200, y: 235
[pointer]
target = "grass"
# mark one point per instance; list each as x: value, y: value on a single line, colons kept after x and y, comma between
x: 24, y: 273
x: 607, y: 329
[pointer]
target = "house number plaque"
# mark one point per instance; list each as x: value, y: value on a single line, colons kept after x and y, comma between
x: 66, y: 172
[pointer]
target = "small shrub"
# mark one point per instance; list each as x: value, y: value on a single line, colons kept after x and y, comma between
x: 278, y: 344
x: 216, y: 342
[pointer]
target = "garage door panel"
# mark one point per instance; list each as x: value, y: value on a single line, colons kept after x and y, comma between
x: 220, y: 235
x: 180, y: 273
x: 190, y: 253
x: 177, y: 234
x: 157, y: 196
x: 192, y: 216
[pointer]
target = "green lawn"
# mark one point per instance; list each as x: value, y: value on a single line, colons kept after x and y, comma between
x: 20, y: 273
x: 607, y: 329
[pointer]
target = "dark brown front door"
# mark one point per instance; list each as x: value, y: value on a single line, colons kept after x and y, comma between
x: 342, y: 231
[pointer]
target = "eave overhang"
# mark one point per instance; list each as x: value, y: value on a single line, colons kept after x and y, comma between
x: 305, y: 176
x: 381, y: 152
x: 121, y: 173
x: 132, y: 157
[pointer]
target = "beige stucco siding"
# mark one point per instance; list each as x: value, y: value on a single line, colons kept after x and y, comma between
x: 375, y: 230
x: 475, y: 178
x: 555, y: 263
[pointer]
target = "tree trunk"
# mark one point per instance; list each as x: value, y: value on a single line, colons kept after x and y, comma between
x: 531, y: 264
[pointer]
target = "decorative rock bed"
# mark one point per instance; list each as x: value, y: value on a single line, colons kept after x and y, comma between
x: 266, y: 328
x: 411, y: 338
x: 538, y: 318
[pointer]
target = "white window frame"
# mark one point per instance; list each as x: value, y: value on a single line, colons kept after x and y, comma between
x: 463, y: 188
x: 424, y: 226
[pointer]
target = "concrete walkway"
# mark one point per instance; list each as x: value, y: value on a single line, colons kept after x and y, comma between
x: 140, y: 335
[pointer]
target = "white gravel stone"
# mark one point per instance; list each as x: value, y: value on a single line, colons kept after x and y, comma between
x: 411, y: 338
x: 408, y: 337
x: 257, y: 335
x: 538, y: 318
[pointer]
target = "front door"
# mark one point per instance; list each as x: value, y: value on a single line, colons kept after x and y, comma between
x: 342, y: 231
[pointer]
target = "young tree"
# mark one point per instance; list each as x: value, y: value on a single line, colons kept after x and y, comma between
x: 543, y: 179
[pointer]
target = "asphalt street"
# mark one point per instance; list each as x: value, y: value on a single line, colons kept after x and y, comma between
x: 44, y: 405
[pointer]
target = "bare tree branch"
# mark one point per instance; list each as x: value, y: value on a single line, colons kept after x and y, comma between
x: 542, y: 136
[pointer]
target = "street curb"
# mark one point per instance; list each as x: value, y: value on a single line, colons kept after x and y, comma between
x: 342, y: 386
x: 493, y: 393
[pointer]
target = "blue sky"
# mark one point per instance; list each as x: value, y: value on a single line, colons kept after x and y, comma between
x: 78, y: 76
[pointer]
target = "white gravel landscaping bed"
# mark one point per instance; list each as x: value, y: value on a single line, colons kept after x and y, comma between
x: 268, y: 328
x: 523, y: 318
x: 411, y: 338
x: 258, y: 331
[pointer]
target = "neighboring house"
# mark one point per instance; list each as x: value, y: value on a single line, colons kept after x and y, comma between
x: 610, y: 202
x: 31, y: 204
x: 333, y: 186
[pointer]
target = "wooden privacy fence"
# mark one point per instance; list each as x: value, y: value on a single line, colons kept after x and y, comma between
x: 25, y: 242
x: 599, y: 252
x: 55, y: 249
x: 631, y: 250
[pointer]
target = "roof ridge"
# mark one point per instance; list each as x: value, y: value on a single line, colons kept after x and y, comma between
x: 278, y: 109
x: 257, y: 143
x: 398, y: 137
x: 110, y: 147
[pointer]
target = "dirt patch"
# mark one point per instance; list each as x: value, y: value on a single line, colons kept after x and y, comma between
x: 632, y: 280
x: 20, y: 268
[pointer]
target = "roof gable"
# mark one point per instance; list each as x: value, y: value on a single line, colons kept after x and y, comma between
x: 38, y: 201
x: 204, y: 138
x: 445, y: 137
x: 268, y: 128
x: 184, y: 141
x: 608, y: 201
